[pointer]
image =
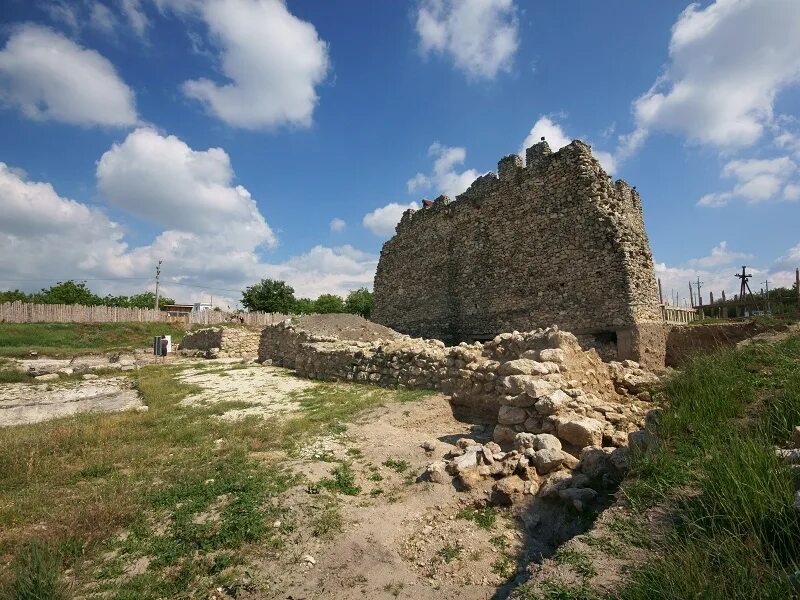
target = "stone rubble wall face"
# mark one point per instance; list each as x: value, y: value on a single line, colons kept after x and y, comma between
x: 557, y: 242
x: 233, y: 342
x: 470, y: 374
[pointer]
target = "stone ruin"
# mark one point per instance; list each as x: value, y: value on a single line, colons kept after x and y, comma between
x: 223, y: 342
x: 551, y: 241
x: 564, y: 418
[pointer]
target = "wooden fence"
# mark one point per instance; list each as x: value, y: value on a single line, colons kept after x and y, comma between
x: 678, y: 315
x: 23, y: 312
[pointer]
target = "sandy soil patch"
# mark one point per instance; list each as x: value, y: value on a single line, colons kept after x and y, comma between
x: 31, y: 403
x: 393, y: 543
x: 266, y: 389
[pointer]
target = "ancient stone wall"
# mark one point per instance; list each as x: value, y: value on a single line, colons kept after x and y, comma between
x: 556, y: 241
x: 232, y: 342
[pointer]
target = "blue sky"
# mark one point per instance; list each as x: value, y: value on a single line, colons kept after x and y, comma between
x: 241, y: 139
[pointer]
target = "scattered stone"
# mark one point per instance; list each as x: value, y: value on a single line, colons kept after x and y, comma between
x: 437, y: 472
x: 307, y: 558
x: 429, y: 445
x: 547, y: 460
x: 511, y: 415
x: 89, y: 376
x: 552, y: 403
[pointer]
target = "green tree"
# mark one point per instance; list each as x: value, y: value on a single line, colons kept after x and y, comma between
x: 303, y: 306
x: 147, y: 300
x: 269, y: 295
x: 329, y: 303
x: 68, y: 292
x: 14, y: 296
x: 359, y: 302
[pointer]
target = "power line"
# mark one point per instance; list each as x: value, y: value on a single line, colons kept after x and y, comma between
x: 81, y: 279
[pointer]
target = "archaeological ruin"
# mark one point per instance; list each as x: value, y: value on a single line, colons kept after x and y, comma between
x: 552, y: 241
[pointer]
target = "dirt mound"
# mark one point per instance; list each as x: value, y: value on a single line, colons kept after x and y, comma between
x: 344, y: 327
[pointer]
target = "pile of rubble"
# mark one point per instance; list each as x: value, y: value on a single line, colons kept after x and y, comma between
x: 217, y: 342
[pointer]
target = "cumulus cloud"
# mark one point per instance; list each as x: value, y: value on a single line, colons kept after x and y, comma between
x: 272, y: 62
x: 719, y: 255
x: 383, y: 220
x: 49, y: 77
x: 728, y: 63
x: 757, y: 180
x: 717, y: 272
x: 479, y: 36
x: 557, y: 138
x: 161, y: 179
x: 444, y: 179
x: 44, y: 235
x: 337, y: 225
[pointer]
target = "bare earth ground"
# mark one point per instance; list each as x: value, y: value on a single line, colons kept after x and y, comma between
x: 393, y: 541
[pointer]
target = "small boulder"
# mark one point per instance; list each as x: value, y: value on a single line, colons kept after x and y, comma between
x: 536, y: 388
x: 547, y: 460
x: 503, y: 434
x: 552, y: 403
x: 47, y: 377
x: 437, y: 472
x: 522, y: 366
x: 510, y: 488
x: 89, y: 376
x: 428, y: 445
x: 511, y: 415
x: 581, y: 432
x: 578, y: 497
x: 537, y: 441
x: 556, y: 355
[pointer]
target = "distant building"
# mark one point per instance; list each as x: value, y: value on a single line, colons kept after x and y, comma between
x: 178, y: 310
x: 198, y: 306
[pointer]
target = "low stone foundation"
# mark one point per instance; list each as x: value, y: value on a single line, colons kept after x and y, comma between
x: 231, y: 342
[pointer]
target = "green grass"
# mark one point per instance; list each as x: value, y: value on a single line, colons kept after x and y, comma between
x: 194, y: 508
x: 396, y: 465
x: 71, y: 339
x: 578, y: 561
x: 343, y: 481
x: 735, y: 532
x: 484, y: 517
x: 450, y: 553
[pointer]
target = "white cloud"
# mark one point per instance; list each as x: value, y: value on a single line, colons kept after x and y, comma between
x: 720, y: 255
x: 420, y: 181
x: 444, y: 179
x: 49, y: 77
x: 757, y: 180
x: 160, y: 178
x: 557, y: 138
x: 728, y: 63
x: 44, y: 235
x: 337, y: 225
x: 480, y: 36
x: 101, y: 18
x: 383, y: 220
x: 791, y: 192
x: 272, y: 62
x: 134, y: 13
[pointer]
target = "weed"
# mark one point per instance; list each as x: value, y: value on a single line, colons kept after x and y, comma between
x: 503, y: 566
x: 605, y: 545
x: 343, y: 481
x: 375, y: 477
x: 398, y: 466
x: 36, y: 574
x: 327, y: 521
x: 483, y: 518
x: 577, y: 561
x: 374, y: 492
x: 499, y: 541
x: 629, y: 531
x: 355, y: 453
x: 556, y: 590
x: 449, y: 553
x: 394, y: 588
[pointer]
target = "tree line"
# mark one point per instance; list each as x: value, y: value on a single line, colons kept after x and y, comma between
x: 268, y: 295
x: 77, y: 292
x: 274, y: 295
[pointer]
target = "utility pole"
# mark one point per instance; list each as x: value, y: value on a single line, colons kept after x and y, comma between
x: 660, y: 293
x: 766, y: 297
x: 158, y: 280
x: 744, y: 289
x: 691, y: 294
x: 797, y: 285
x: 699, y: 295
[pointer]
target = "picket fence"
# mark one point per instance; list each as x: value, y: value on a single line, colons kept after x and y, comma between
x: 24, y: 312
